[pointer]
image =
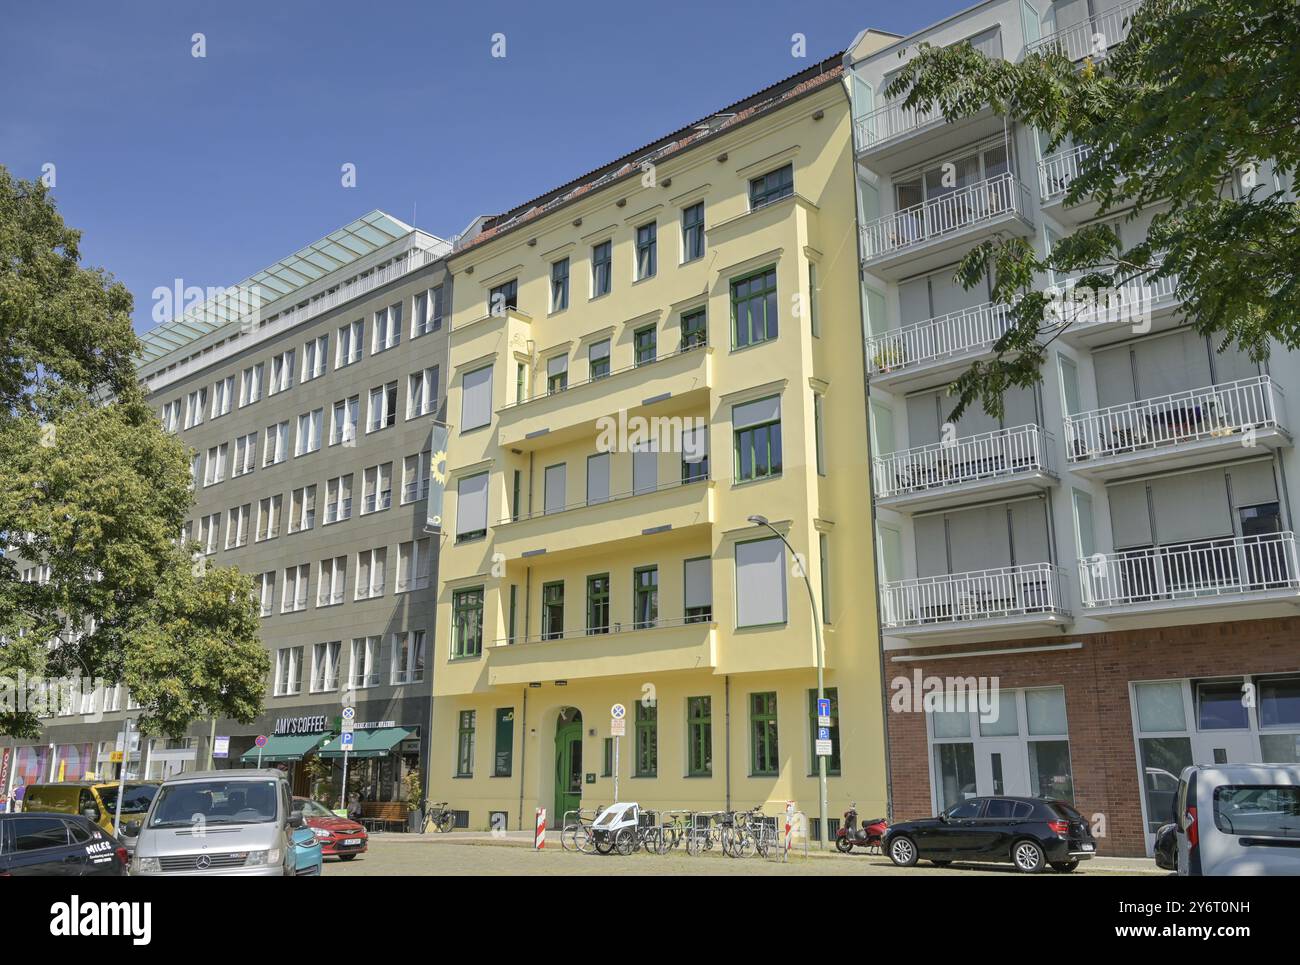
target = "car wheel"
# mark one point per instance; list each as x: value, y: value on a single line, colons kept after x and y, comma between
x: 902, y: 851
x: 1027, y: 856
x: 346, y: 857
x: 940, y: 863
x: 1065, y: 867
x: 843, y: 845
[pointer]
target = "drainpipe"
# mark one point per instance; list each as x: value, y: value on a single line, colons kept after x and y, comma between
x: 726, y: 712
x: 523, y: 751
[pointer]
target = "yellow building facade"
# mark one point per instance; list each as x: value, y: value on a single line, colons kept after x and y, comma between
x: 640, y: 362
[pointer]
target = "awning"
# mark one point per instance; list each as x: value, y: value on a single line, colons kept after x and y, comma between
x: 283, y: 747
x: 369, y: 743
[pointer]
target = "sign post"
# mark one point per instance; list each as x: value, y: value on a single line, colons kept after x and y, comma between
x: 345, y: 741
x: 617, y: 728
x: 260, y: 741
x: 121, y: 776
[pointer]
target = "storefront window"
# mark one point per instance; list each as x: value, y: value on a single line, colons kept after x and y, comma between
x: 1049, y: 770
x: 1004, y: 722
x: 954, y: 766
x: 1219, y: 705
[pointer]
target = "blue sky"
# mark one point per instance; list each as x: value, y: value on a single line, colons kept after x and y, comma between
x: 208, y: 169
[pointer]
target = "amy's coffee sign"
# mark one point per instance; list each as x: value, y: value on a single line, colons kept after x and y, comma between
x: 300, y: 725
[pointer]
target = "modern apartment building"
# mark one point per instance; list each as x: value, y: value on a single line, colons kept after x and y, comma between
x: 702, y: 288
x: 1117, y: 549
x: 309, y: 414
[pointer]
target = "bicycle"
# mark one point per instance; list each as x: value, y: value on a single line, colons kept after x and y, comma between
x: 439, y: 817
x: 577, y: 835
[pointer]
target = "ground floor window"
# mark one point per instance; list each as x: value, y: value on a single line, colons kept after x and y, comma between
x: 505, y: 750
x: 764, y: 759
x: 699, y: 736
x: 465, y: 745
x: 647, y: 739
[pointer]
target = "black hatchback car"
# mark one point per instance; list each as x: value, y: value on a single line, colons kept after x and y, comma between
x: 57, y: 845
x: 1029, y: 832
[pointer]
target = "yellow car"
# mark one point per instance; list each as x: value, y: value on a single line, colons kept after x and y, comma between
x: 96, y: 800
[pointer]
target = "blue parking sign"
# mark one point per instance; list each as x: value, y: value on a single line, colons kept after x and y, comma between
x: 823, y: 733
x: 345, y: 740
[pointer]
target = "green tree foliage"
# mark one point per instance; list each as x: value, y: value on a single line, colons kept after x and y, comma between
x: 1194, y: 118
x: 93, y: 489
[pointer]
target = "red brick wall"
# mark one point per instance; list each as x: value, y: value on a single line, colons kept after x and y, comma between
x: 1096, y: 680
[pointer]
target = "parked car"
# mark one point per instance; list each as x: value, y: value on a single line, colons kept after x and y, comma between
x: 58, y: 845
x: 1167, y: 847
x: 232, y: 822
x: 1029, y: 832
x: 339, y: 837
x: 308, y: 857
x: 1239, y: 819
x: 96, y: 801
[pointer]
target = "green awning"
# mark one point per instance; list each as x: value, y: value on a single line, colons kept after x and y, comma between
x: 369, y: 743
x: 283, y: 747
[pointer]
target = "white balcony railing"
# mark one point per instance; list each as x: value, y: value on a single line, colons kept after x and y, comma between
x: 956, y: 598
x: 1191, y: 571
x: 988, y: 455
x: 935, y: 339
x: 963, y: 208
x: 1092, y: 37
x: 1182, y: 417
x: 892, y: 120
x: 1057, y: 172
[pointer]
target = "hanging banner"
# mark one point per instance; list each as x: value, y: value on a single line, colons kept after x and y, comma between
x: 437, y: 476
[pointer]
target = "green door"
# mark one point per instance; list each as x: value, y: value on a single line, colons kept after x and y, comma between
x: 568, y: 768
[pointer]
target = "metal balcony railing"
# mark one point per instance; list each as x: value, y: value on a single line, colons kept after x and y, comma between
x: 1057, y: 172
x: 605, y: 629
x: 890, y: 121
x: 963, y: 208
x: 1191, y: 571
x: 1092, y: 37
x: 1170, y: 420
x: 988, y: 455
x: 935, y: 339
x: 956, y: 598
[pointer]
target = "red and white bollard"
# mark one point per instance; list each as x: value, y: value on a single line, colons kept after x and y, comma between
x: 789, y: 830
x: 539, y: 835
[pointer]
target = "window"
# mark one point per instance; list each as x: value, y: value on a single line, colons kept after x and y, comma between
x: 753, y: 309
x: 268, y: 517
x: 422, y: 392
x: 476, y: 398
x: 237, y: 520
x: 560, y: 285
x: 504, y: 296
x: 521, y: 382
x: 223, y: 396
x: 330, y: 585
x: 598, y: 603
x: 824, y: 555
x: 763, y: 756
x: 695, y: 329
x: 833, y: 759
x: 315, y: 358
x: 598, y: 360
x: 467, y: 622
x: 338, y: 499
x: 365, y: 658
x: 645, y: 343
x: 276, y: 447
x: 296, y: 579
x: 343, y: 421
x: 819, y: 431
x: 302, y: 508
x: 309, y: 431
x: 195, y: 404
x: 415, y: 477
x: 171, y: 416
x: 266, y: 593
x: 471, y: 507
x: 699, y: 736
x: 325, y: 666
x: 503, y: 760
x: 288, y: 671
x: 281, y: 372
x: 408, y: 657
x: 372, y: 566
x: 465, y: 744
x: 693, y: 232
x: 383, y: 407
x: 414, y: 563
x: 215, y: 470
x: 698, y: 584
x: 555, y: 483
x: 646, y: 250
x: 646, y: 730
x: 757, y: 430
x: 429, y: 308
x: 388, y: 328
x: 772, y: 186
x: 553, y: 610
x: 245, y: 455
x: 760, y: 583
x: 645, y: 597
x: 695, y: 454
x: 350, y: 344
x: 607, y: 759
x: 601, y: 268
x: 598, y: 478
x: 813, y: 291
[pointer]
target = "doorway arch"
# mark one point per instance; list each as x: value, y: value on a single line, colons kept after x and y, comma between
x: 568, y: 764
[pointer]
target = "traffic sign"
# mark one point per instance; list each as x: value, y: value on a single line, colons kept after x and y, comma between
x: 349, y: 713
x: 823, y: 733
x: 221, y: 747
x: 618, y: 712
x: 345, y: 740
x: 260, y: 740
x: 824, y: 748
x: 346, y: 725
x: 617, y: 727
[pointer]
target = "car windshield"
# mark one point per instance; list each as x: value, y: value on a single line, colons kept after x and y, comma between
x: 215, y: 802
x: 136, y: 800
x: 313, y: 809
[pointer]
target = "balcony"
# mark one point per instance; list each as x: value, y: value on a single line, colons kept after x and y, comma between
x: 1004, y: 463
x: 1056, y: 173
x: 1234, y: 570
x: 583, y: 529
x: 1143, y: 304
x: 1029, y: 597
x: 671, y: 384
x: 934, y: 351
x: 1088, y: 38
x: 893, y: 137
x: 930, y: 234
x: 620, y: 650
x: 1173, y: 431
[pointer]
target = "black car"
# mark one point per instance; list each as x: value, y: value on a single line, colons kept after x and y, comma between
x: 59, y: 845
x: 1029, y: 832
x: 1167, y: 847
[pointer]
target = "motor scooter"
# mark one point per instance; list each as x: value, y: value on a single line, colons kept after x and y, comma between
x: 852, y: 835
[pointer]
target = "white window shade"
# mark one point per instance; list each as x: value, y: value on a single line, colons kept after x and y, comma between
x: 1253, y: 484
x: 756, y: 412
x: 1130, y: 519
x: 598, y: 478
x: 931, y: 546
x: 556, y: 479
x: 471, y: 504
x: 979, y: 539
x: 760, y: 583
x: 599, y: 351
x: 922, y: 419
x: 1114, y: 369
x: 1029, y: 541
x: 476, y: 398
x: 1191, y: 506
x: 914, y: 300
x: 699, y: 582
x: 557, y: 364
x: 645, y: 468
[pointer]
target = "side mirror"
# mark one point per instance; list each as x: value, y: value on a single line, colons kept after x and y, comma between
x: 944, y: 817
x: 132, y: 828
x: 91, y: 813
x: 295, y: 819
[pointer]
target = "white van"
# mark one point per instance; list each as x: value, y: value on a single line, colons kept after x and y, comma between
x: 1239, y: 819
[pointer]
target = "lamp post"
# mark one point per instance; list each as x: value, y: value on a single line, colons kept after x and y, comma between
x: 821, y: 673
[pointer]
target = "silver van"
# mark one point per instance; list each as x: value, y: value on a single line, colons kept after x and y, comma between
x: 1239, y: 819
x: 233, y: 822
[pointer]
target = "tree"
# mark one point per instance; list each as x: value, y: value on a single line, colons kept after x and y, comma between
x: 93, y: 491
x: 1193, y: 116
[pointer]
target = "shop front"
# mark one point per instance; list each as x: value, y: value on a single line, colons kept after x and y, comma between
x: 291, y: 747
x: 383, y: 772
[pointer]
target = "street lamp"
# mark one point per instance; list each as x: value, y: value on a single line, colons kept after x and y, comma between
x: 821, y: 673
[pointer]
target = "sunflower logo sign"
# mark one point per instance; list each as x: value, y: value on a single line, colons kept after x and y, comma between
x: 437, y: 477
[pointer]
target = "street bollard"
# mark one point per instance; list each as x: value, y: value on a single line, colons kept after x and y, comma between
x: 539, y: 835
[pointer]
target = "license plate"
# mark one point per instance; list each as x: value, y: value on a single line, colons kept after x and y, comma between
x: 351, y: 841
x: 1087, y: 847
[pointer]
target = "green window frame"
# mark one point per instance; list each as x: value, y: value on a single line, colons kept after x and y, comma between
x: 646, y: 344
x: 553, y: 610
x: 693, y: 232
x: 514, y: 611
x: 646, y: 731
x: 833, y: 761
x: 607, y: 759
x: 560, y: 285
x: 598, y: 603
x: 764, y: 760
x: 695, y: 329
x: 754, y: 308
x: 602, y: 268
x: 465, y: 744
x: 699, y: 736
x: 647, y: 250
x: 503, y: 296
x: 598, y: 365
x: 772, y: 186
x: 504, y: 760
x: 521, y: 391
x: 645, y: 597
x: 758, y: 450
x: 467, y: 623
